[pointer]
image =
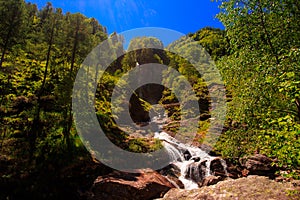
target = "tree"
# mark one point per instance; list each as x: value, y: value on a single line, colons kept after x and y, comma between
x: 11, y: 28
x: 48, y: 31
x: 262, y: 76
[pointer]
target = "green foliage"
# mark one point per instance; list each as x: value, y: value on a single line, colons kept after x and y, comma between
x: 43, y: 50
x: 262, y: 77
x: 143, y: 145
x: 213, y: 41
x: 12, y: 26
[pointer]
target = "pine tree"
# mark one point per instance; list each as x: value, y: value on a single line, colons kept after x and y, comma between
x: 12, y: 14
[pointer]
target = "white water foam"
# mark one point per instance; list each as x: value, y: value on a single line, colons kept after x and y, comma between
x: 176, y: 151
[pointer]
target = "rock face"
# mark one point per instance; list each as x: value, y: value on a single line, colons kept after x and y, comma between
x: 247, y: 188
x: 151, y: 93
x: 145, y: 184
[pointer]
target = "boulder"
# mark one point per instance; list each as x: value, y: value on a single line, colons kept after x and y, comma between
x: 258, y: 164
x: 145, y: 184
x: 197, y: 171
x: 187, y: 155
x: 217, y: 168
x: 250, y: 188
x: 172, y: 169
x: 196, y: 159
x: 234, y: 170
x: 172, y: 173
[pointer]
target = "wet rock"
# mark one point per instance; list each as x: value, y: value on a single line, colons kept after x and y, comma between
x: 145, y: 184
x: 175, y: 181
x: 171, y: 169
x: 197, y: 171
x: 172, y: 173
x: 217, y: 168
x: 187, y: 155
x: 196, y: 159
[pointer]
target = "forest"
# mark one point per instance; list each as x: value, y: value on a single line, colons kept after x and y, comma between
x: 42, y: 49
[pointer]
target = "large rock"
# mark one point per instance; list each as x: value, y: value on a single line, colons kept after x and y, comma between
x: 172, y: 173
x: 145, y: 184
x: 258, y: 164
x: 234, y: 170
x: 172, y: 169
x: 218, y: 167
x: 197, y: 171
x: 248, y: 188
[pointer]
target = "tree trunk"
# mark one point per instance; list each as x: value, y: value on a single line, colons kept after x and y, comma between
x: 36, y: 122
x: 68, y: 111
x: 2, y: 58
x: 74, y: 48
x: 297, y: 101
x: 269, y: 42
x: 5, y: 47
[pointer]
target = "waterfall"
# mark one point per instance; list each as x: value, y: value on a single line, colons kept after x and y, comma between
x: 173, y: 153
x: 188, y: 183
x: 194, y: 163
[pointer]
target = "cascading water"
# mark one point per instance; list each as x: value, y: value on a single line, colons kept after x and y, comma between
x: 194, y: 163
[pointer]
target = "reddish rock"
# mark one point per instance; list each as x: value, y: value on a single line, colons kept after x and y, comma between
x: 172, y: 173
x: 247, y: 188
x: 211, y: 180
x: 145, y: 184
x: 245, y: 172
x: 258, y: 164
x: 175, y: 181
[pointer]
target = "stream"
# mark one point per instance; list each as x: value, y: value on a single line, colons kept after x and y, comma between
x: 194, y: 163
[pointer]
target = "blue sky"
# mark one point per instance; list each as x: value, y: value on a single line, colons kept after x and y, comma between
x: 121, y: 15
